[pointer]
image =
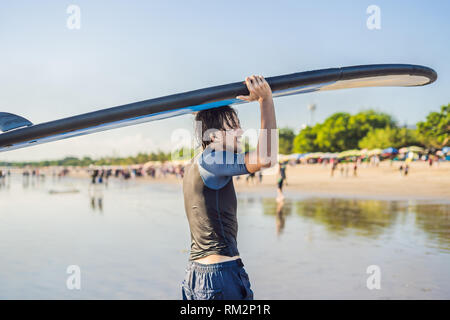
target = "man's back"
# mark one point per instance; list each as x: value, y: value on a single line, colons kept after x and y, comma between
x: 210, y: 204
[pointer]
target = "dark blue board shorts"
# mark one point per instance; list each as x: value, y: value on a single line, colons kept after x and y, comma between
x: 218, y: 281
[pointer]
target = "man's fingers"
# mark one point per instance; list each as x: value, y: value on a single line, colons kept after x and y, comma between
x: 264, y: 81
x: 258, y: 81
x: 249, y: 83
x: 255, y: 81
x: 266, y: 84
x: 245, y: 98
x: 253, y: 85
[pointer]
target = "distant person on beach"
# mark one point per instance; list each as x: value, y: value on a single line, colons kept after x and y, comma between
x: 283, y: 172
x: 355, y: 169
x: 407, y: 162
x: 215, y: 269
x: 107, y: 175
x: 406, y: 170
x: 94, y: 176
x: 250, y: 177
x: 436, y: 160
x: 101, y: 176
x: 280, y: 180
x: 260, y: 176
x: 334, y: 163
x: 2, y: 179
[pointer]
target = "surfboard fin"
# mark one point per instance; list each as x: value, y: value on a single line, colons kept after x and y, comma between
x: 9, y: 121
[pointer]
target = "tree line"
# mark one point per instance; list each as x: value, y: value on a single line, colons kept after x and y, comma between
x: 86, y: 161
x: 339, y: 132
x: 367, y: 129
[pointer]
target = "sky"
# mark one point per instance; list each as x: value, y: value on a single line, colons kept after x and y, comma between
x: 127, y: 51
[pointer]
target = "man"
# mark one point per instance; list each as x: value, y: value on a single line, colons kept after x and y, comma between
x: 215, y: 270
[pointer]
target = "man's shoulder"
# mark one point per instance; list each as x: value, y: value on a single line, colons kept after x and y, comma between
x: 220, y: 157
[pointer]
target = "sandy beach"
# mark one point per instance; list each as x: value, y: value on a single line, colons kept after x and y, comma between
x: 384, y: 181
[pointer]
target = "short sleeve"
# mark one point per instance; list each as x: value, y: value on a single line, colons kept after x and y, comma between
x: 224, y: 163
x: 217, y: 168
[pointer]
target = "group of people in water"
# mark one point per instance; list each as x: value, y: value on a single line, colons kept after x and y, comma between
x: 102, y: 174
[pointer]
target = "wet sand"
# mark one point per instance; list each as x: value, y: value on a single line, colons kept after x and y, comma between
x: 131, y: 240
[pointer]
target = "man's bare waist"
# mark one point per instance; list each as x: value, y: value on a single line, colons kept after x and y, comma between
x: 215, y: 258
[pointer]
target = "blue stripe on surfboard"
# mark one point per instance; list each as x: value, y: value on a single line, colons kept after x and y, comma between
x: 123, y: 123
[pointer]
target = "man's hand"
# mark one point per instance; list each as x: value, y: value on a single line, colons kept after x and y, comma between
x: 259, y: 89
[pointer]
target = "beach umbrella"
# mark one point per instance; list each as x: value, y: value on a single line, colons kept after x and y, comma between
x: 283, y: 157
x: 151, y: 163
x: 374, y: 152
x: 304, y: 155
x: 315, y: 155
x: 148, y: 164
x: 415, y: 149
x: 349, y: 153
x: 329, y: 155
x: 182, y: 162
x: 445, y: 150
x: 389, y: 150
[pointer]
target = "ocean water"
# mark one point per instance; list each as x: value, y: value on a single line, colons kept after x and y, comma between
x: 130, y: 240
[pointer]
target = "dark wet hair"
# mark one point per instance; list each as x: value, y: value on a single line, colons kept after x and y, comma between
x: 217, y: 118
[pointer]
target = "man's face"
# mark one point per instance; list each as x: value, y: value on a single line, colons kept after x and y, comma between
x: 230, y: 138
x: 233, y: 139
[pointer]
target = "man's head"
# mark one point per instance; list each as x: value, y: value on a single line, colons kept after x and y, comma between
x: 219, y: 128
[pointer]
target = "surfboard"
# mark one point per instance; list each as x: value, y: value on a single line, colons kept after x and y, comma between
x: 18, y: 132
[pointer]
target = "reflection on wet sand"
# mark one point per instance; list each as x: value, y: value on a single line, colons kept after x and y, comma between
x: 280, y: 216
x: 368, y: 218
x: 5, y: 181
x: 434, y: 220
x: 96, y: 196
x: 278, y: 208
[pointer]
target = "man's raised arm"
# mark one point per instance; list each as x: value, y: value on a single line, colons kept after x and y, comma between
x: 267, y: 149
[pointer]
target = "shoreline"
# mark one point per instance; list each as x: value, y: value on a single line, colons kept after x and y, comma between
x: 382, y: 182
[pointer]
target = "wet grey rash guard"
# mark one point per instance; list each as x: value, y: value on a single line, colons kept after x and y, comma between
x: 210, y: 202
